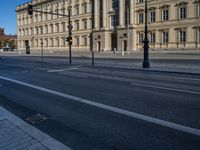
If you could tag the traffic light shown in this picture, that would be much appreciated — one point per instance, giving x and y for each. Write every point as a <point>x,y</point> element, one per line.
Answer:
<point>69,40</point>
<point>30,9</point>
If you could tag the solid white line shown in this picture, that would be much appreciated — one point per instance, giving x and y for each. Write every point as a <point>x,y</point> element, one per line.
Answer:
<point>166,88</point>
<point>160,122</point>
<point>162,76</point>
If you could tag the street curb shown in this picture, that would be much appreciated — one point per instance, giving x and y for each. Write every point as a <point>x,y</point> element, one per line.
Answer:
<point>148,69</point>
<point>128,68</point>
<point>37,134</point>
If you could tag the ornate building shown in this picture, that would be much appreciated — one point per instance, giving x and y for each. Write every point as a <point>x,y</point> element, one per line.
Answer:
<point>50,31</point>
<point>119,24</point>
<point>173,24</point>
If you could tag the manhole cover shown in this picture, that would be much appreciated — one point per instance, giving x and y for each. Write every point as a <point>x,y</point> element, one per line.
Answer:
<point>36,118</point>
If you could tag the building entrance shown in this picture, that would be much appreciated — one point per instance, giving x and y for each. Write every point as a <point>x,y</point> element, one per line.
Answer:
<point>114,41</point>
<point>99,46</point>
<point>125,45</point>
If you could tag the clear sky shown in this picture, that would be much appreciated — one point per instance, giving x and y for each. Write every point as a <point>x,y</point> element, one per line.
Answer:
<point>8,15</point>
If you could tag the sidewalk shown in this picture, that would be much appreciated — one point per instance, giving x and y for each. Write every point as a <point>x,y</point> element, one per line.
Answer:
<point>15,134</point>
<point>179,61</point>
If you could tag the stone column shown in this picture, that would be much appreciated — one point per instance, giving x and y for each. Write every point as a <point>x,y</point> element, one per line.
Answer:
<point>96,18</point>
<point>132,12</point>
<point>121,13</point>
<point>105,13</point>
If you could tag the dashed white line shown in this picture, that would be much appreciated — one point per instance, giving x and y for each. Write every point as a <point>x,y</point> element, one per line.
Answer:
<point>73,74</point>
<point>166,88</point>
<point>65,69</point>
<point>186,129</point>
<point>60,70</point>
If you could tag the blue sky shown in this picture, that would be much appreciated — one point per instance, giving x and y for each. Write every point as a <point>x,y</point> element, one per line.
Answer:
<point>8,15</point>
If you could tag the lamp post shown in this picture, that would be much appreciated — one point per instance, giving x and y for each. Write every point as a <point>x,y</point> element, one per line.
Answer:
<point>146,63</point>
<point>70,35</point>
<point>42,54</point>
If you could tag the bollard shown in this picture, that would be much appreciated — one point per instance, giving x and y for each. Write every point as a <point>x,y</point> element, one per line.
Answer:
<point>92,58</point>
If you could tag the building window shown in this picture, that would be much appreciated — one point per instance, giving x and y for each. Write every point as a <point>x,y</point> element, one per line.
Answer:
<point>198,34</point>
<point>77,25</point>
<point>63,11</point>
<point>77,41</point>
<point>165,14</point>
<point>115,4</point>
<point>182,36</point>
<point>101,13</point>
<point>152,16</point>
<point>57,42</point>
<point>41,16</point>
<point>114,20</point>
<point>57,28</point>
<point>90,7</point>
<point>85,40</point>
<point>84,24</point>
<point>182,12</point>
<point>63,27</point>
<point>198,9</point>
<point>84,8</point>
<point>41,30</point>
<point>51,27</point>
<point>165,37</point>
<point>140,38</point>
<point>140,1</point>
<point>76,10</point>
<point>36,18</point>
<point>127,12</point>
<point>46,29</point>
<point>152,38</point>
<point>140,17</point>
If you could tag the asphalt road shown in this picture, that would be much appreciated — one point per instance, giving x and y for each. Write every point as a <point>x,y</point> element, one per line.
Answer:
<point>104,108</point>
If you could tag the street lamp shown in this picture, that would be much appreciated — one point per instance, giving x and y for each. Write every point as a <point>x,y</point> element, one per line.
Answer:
<point>70,35</point>
<point>146,63</point>
<point>42,53</point>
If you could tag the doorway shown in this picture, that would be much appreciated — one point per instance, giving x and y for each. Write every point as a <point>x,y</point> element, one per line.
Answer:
<point>125,45</point>
<point>114,41</point>
<point>99,46</point>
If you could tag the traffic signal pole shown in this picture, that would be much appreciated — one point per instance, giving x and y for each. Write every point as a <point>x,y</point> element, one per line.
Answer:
<point>30,11</point>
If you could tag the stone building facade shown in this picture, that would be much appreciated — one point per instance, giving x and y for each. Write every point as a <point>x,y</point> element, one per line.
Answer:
<point>118,24</point>
<point>50,31</point>
<point>173,24</point>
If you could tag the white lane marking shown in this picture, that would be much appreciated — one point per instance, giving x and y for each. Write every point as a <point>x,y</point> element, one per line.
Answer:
<point>139,74</point>
<point>64,69</point>
<point>73,74</point>
<point>166,88</point>
<point>154,75</point>
<point>160,122</point>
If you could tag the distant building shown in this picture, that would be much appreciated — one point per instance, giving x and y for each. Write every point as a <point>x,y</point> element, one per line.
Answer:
<point>9,40</point>
<point>119,24</point>
<point>51,30</point>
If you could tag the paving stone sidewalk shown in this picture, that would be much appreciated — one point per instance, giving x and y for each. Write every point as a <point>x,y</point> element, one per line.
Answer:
<point>13,138</point>
<point>15,134</point>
